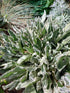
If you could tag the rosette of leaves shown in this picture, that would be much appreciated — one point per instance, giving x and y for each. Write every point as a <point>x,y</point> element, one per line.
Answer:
<point>36,58</point>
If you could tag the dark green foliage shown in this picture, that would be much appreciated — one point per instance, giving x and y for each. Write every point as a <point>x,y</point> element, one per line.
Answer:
<point>38,6</point>
<point>1,91</point>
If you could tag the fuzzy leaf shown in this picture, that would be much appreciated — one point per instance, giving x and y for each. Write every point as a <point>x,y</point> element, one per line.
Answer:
<point>11,86</point>
<point>30,89</point>
<point>22,59</point>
